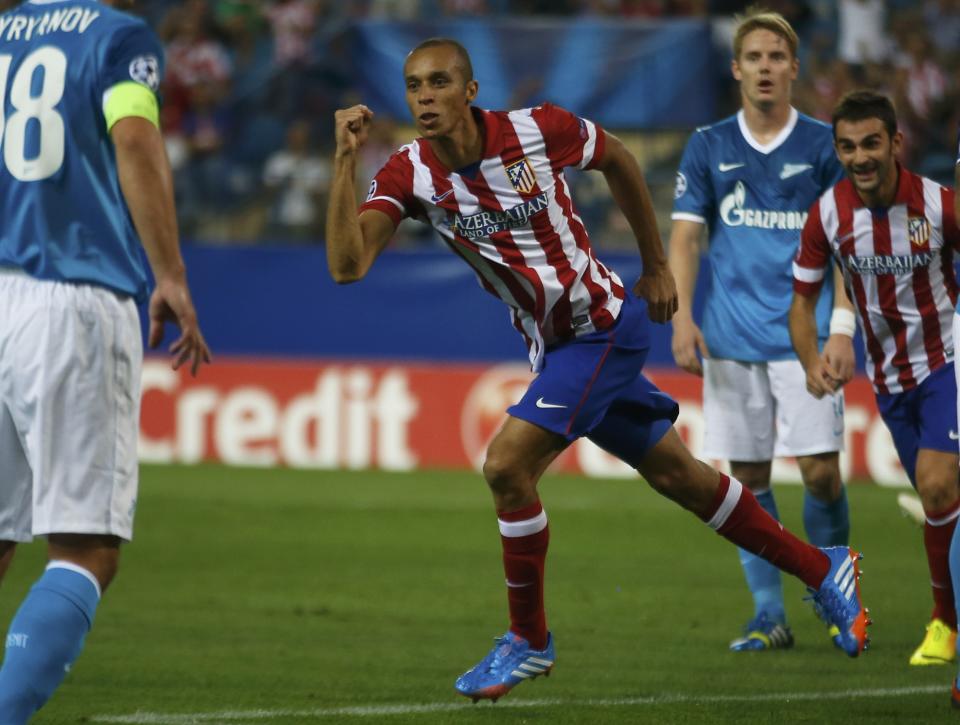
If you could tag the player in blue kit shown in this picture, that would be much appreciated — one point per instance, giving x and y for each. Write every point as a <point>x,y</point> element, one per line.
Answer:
<point>84,179</point>
<point>750,179</point>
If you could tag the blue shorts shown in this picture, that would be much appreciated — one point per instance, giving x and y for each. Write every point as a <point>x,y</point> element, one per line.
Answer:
<point>924,417</point>
<point>593,386</point>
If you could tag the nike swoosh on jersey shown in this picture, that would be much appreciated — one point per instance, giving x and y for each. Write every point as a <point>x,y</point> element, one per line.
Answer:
<point>437,198</point>
<point>954,436</point>
<point>794,169</point>
<point>541,404</point>
<point>730,167</point>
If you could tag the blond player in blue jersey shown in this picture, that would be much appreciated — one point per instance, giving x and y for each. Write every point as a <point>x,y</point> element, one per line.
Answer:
<point>84,180</point>
<point>749,179</point>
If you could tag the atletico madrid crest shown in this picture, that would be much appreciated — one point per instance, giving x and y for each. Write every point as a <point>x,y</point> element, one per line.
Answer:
<point>919,230</point>
<point>521,176</point>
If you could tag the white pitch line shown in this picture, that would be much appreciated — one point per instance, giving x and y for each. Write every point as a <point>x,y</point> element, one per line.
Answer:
<point>159,718</point>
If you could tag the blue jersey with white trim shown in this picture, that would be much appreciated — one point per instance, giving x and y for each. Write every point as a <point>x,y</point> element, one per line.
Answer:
<point>64,216</point>
<point>754,200</point>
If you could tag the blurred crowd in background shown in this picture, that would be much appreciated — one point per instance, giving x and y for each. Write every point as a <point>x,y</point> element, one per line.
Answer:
<point>251,87</point>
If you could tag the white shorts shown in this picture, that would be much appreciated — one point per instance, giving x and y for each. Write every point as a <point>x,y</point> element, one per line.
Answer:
<point>70,359</point>
<point>759,411</point>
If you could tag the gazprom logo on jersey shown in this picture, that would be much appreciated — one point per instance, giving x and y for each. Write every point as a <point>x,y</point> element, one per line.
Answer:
<point>487,223</point>
<point>889,263</point>
<point>733,213</point>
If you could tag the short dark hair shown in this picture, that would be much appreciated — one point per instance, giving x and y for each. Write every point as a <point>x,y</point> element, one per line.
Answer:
<point>463,57</point>
<point>861,105</point>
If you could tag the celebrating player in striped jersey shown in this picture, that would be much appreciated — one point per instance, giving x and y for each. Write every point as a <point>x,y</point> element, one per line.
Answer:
<point>894,233</point>
<point>750,179</point>
<point>492,185</point>
<point>84,180</point>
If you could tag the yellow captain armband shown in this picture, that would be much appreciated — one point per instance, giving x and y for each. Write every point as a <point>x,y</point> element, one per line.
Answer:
<point>130,99</point>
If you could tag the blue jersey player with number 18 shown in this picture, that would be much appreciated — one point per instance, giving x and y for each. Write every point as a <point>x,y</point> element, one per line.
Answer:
<point>84,180</point>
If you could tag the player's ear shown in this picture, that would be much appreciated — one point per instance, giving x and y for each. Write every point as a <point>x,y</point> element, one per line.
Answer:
<point>896,143</point>
<point>735,70</point>
<point>472,89</point>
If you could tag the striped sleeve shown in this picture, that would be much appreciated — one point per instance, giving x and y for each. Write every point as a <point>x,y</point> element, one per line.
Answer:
<point>570,140</point>
<point>391,190</point>
<point>813,256</point>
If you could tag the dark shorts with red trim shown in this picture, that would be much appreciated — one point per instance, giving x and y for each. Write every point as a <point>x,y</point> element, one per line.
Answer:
<point>923,417</point>
<point>594,386</point>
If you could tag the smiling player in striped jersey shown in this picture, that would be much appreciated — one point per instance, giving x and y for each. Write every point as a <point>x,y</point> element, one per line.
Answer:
<point>492,185</point>
<point>894,234</point>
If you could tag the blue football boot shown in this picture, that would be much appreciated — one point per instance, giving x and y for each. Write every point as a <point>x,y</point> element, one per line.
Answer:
<point>837,601</point>
<point>510,662</point>
<point>763,633</point>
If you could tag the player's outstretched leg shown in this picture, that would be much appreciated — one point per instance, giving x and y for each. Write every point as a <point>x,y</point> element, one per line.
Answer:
<point>515,461</point>
<point>832,574</point>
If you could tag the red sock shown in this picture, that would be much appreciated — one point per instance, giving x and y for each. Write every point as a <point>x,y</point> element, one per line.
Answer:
<point>937,533</point>
<point>737,516</point>
<point>525,535</point>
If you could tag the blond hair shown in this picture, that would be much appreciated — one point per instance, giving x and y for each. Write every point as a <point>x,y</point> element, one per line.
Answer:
<point>761,19</point>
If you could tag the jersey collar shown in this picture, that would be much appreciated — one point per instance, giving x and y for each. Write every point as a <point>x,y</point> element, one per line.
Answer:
<point>777,142</point>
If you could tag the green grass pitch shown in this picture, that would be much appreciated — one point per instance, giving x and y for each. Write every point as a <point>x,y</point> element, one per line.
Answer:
<point>293,597</point>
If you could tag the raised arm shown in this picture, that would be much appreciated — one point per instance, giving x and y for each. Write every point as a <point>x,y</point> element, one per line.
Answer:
<point>629,191</point>
<point>353,240</point>
<point>147,185</point>
<point>685,264</point>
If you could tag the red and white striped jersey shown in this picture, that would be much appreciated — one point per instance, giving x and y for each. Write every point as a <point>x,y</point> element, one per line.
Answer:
<point>897,262</point>
<point>512,219</point>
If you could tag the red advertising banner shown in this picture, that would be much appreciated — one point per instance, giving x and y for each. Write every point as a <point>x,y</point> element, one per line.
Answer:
<point>401,417</point>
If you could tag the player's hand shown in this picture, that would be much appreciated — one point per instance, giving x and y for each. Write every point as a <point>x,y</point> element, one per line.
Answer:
<point>822,378</point>
<point>170,302</point>
<point>687,341</point>
<point>657,287</point>
<point>838,352</point>
<point>351,126</point>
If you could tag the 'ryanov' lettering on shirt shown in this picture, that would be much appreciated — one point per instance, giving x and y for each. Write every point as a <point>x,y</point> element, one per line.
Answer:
<point>889,263</point>
<point>733,213</point>
<point>487,223</point>
<point>65,20</point>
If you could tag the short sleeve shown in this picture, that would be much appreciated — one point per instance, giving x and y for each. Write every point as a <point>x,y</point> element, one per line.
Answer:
<point>134,54</point>
<point>391,190</point>
<point>570,140</point>
<point>693,198</point>
<point>813,256</point>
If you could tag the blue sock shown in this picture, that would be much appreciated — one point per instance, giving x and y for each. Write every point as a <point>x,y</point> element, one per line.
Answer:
<point>827,524</point>
<point>955,571</point>
<point>763,578</point>
<point>45,637</point>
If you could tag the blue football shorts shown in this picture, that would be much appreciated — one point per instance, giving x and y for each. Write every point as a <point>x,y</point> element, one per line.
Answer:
<point>924,417</point>
<point>593,386</point>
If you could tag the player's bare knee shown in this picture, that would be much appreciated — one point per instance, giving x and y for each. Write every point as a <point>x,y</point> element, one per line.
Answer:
<point>937,492</point>
<point>755,475</point>
<point>100,555</point>
<point>821,475</point>
<point>503,474</point>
